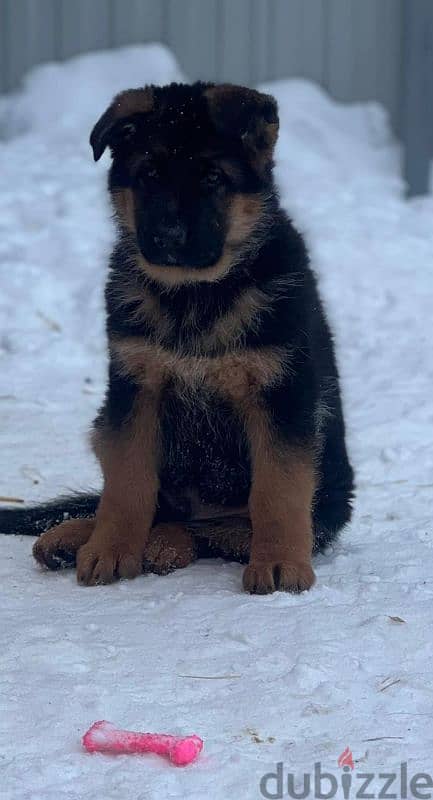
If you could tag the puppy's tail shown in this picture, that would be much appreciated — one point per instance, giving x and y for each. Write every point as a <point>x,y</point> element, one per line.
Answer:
<point>35,520</point>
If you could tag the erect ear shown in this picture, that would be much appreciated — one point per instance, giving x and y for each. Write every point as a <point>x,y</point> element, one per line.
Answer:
<point>246,114</point>
<point>125,104</point>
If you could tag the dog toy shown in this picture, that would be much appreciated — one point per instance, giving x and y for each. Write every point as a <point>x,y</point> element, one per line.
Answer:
<point>104,737</point>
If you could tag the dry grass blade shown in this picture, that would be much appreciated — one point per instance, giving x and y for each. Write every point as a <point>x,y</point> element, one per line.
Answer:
<point>388,685</point>
<point>210,677</point>
<point>380,738</point>
<point>5,499</point>
<point>51,323</point>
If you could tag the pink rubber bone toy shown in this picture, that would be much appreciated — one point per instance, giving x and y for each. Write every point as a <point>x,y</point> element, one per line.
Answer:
<point>104,737</point>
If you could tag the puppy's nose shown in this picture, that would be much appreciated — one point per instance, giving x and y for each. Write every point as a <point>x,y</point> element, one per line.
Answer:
<point>170,236</point>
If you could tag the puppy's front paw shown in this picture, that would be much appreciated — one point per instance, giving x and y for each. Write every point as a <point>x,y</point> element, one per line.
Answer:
<point>104,563</point>
<point>58,547</point>
<point>266,577</point>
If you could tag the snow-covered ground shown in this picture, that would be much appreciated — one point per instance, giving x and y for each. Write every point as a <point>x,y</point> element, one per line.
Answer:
<point>262,679</point>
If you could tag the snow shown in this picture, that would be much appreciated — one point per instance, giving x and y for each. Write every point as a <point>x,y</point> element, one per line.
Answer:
<point>261,679</point>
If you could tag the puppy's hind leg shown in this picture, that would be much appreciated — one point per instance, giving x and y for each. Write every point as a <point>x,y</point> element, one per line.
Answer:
<point>169,547</point>
<point>334,498</point>
<point>58,547</point>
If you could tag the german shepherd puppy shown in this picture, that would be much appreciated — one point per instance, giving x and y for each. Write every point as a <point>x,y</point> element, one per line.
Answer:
<point>222,428</point>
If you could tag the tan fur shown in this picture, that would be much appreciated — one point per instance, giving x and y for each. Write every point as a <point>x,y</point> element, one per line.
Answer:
<point>62,542</point>
<point>169,547</point>
<point>140,305</point>
<point>123,201</point>
<point>281,502</point>
<point>230,537</point>
<point>229,330</point>
<point>132,101</point>
<point>129,461</point>
<point>245,213</point>
<point>260,139</point>
<point>235,375</point>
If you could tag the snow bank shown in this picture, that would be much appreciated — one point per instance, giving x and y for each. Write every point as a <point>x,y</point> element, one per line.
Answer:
<point>299,678</point>
<point>67,96</point>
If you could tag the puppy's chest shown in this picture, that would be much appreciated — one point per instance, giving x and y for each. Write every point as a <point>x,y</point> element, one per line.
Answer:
<point>203,402</point>
<point>204,450</point>
<point>237,376</point>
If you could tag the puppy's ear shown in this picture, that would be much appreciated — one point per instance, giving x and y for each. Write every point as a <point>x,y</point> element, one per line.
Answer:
<point>248,115</point>
<point>124,105</point>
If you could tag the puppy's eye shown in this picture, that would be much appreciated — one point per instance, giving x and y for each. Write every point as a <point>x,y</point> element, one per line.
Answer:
<point>213,177</point>
<point>148,173</point>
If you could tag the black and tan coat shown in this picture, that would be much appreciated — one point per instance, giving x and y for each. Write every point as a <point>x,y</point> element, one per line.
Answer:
<point>222,429</point>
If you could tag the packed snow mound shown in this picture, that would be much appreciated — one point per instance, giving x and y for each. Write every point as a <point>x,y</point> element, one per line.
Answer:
<point>338,146</point>
<point>69,95</point>
<point>262,680</point>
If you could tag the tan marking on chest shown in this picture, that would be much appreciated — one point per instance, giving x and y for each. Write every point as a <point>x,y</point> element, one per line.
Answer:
<point>231,328</point>
<point>236,375</point>
<point>141,306</point>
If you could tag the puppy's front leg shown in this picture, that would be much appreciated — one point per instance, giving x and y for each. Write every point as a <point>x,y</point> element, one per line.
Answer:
<point>280,503</point>
<point>128,457</point>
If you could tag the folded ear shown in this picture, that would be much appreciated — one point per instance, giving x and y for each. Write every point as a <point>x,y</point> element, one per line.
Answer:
<point>248,115</point>
<point>125,104</point>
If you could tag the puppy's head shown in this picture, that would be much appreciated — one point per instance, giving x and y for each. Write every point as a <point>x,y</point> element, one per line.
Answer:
<point>191,171</point>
